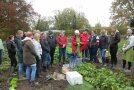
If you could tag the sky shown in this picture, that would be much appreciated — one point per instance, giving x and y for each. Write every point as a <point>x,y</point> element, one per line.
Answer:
<point>95,10</point>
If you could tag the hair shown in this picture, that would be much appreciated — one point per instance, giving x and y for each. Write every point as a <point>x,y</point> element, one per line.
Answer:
<point>29,34</point>
<point>19,32</point>
<point>10,37</point>
<point>37,36</point>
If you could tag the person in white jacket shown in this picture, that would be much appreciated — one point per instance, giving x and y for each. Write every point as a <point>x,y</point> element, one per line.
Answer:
<point>128,51</point>
<point>38,49</point>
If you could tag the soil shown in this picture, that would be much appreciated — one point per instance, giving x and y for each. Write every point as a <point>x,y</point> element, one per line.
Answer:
<point>50,84</point>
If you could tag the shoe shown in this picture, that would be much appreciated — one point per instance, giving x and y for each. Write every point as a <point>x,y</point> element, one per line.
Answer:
<point>14,74</point>
<point>33,83</point>
<point>127,71</point>
<point>22,78</point>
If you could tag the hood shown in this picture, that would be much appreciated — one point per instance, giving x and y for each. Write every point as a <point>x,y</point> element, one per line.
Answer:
<point>26,39</point>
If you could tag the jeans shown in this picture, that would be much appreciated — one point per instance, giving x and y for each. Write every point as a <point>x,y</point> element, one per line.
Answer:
<point>33,73</point>
<point>1,55</point>
<point>21,67</point>
<point>46,59</point>
<point>93,54</point>
<point>103,55</point>
<point>62,52</point>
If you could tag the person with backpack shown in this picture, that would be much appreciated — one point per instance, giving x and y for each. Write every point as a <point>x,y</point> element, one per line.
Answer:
<point>93,46</point>
<point>103,45</point>
<point>114,40</point>
<point>11,48</point>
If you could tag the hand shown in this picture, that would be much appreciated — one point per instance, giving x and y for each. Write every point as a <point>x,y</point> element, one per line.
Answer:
<point>81,42</point>
<point>64,45</point>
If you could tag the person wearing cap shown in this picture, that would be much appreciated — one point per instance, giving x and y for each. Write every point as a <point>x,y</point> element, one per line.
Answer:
<point>62,42</point>
<point>52,43</point>
<point>76,42</point>
<point>84,43</point>
<point>128,51</point>
<point>29,58</point>
<point>114,40</point>
<point>93,46</point>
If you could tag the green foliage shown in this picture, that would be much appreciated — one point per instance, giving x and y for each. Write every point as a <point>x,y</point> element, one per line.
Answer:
<point>69,19</point>
<point>103,79</point>
<point>13,83</point>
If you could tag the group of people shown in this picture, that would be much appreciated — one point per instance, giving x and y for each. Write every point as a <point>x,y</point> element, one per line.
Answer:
<point>35,50</point>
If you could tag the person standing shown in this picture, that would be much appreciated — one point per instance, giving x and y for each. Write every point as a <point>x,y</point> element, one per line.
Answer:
<point>93,46</point>
<point>1,51</point>
<point>52,43</point>
<point>18,42</point>
<point>62,43</point>
<point>38,49</point>
<point>128,51</point>
<point>114,40</point>
<point>76,43</point>
<point>29,58</point>
<point>84,43</point>
<point>46,58</point>
<point>12,53</point>
<point>103,45</point>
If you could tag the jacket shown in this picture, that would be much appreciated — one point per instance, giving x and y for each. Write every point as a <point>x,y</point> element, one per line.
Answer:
<point>103,43</point>
<point>1,45</point>
<point>52,42</point>
<point>62,40</point>
<point>45,46</point>
<point>29,53</point>
<point>18,43</point>
<point>74,43</point>
<point>93,42</point>
<point>11,47</point>
<point>84,40</point>
<point>114,39</point>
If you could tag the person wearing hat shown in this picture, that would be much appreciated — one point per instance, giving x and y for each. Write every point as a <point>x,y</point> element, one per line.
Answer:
<point>84,43</point>
<point>76,42</point>
<point>62,42</point>
<point>128,51</point>
<point>52,44</point>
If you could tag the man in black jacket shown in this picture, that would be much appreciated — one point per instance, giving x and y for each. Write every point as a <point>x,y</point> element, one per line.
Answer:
<point>114,40</point>
<point>52,43</point>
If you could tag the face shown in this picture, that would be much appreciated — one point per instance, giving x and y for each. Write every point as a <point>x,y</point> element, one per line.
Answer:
<point>77,34</point>
<point>21,35</point>
<point>92,33</point>
<point>12,38</point>
<point>62,34</point>
<point>85,32</point>
<point>113,29</point>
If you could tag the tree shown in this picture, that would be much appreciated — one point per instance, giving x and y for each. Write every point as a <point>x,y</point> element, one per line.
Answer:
<point>98,27</point>
<point>122,11</point>
<point>70,19</point>
<point>41,24</point>
<point>14,15</point>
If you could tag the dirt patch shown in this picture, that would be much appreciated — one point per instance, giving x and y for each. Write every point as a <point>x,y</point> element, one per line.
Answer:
<point>44,84</point>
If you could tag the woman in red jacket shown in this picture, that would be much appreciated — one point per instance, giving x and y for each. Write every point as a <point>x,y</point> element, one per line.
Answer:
<point>84,43</point>
<point>76,42</point>
<point>62,43</point>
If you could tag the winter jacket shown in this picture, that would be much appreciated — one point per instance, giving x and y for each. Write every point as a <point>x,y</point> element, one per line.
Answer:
<point>114,39</point>
<point>11,47</point>
<point>62,40</point>
<point>29,52</point>
<point>93,42</point>
<point>74,43</point>
<point>1,45</point>
<point>18,43</point>
<point>38,48</point>
<point>45,46</point>
<point>52,42</point>
<point>103,42</point>
<point>84,40</point>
